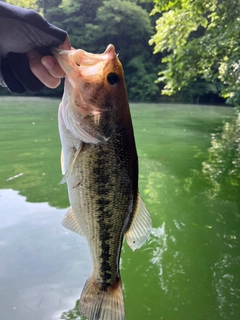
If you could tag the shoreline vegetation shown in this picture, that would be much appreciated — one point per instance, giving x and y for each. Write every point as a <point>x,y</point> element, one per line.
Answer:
<point>129,26</point>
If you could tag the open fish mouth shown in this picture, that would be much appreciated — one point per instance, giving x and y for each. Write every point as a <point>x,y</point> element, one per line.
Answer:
<point>86,63</point>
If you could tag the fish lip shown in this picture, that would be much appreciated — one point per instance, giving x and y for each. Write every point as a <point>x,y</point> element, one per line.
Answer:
<point>56,52</point>
<point>79,65</point>
<point>110,51</point>
<point>62,57</point>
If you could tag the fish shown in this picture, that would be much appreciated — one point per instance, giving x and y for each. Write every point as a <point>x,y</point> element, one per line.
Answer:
<point>100,166</point>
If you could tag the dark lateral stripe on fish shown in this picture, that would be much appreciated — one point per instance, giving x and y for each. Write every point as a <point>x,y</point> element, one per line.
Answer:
<point>104,220</point>
<point>110,240</point>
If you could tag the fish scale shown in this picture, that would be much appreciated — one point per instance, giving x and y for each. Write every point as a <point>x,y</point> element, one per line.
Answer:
<point>102,175</point>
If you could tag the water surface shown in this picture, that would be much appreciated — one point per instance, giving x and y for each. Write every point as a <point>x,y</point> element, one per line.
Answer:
<point>190,181</point>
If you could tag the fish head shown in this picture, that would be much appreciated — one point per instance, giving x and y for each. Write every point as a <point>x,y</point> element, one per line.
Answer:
<point>94,84</point>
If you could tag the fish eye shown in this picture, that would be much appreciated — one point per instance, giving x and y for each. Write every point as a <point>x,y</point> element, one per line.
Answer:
<point>112,78</point>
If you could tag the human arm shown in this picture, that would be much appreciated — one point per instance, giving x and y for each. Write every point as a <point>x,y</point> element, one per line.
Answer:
<point>25,42</point>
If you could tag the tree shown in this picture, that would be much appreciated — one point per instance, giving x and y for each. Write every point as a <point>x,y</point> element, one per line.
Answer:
<point>78,18</point>
<point>127,25</point>
<point>199,39</point>
<point>93,24</point>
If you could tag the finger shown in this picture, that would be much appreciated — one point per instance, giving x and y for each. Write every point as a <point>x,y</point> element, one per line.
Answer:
<point>40,71</point>
<point>52,66</point>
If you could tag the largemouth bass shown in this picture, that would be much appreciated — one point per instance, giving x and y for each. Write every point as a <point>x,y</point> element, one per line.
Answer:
<point>100,165</point>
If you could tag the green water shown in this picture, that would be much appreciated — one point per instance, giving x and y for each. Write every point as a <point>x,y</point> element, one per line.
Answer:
<point>190,180</point>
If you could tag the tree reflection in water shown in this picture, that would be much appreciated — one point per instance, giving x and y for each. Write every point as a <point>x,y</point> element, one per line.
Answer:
<point>72,314</point>
<point>222,168</point>
<point>222,171</point>
<point>195,246</point>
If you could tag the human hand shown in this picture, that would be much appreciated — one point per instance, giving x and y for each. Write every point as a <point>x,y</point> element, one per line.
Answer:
<point>46,68</point>
<point>25,57</point>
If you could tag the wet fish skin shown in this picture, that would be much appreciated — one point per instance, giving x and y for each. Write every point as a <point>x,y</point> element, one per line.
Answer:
<point>100,166</point>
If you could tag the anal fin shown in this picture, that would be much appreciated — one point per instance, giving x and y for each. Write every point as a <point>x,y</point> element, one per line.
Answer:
<point>70,222</point>
<point>140,227</point>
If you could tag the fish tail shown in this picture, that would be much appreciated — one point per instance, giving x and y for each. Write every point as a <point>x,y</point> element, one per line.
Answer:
<point>98,304</point>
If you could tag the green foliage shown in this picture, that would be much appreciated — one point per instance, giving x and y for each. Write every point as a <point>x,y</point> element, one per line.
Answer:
<point>92,25</point>
<point>128,27</point>
<point>140,83</point>
<point>200,91</point>
<point>124,23</point>
<point>199,39</point>
<point>30,4</point>
<point>76,17</point>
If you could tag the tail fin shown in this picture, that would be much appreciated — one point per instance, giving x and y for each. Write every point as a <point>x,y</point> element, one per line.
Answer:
<point>97,304</point>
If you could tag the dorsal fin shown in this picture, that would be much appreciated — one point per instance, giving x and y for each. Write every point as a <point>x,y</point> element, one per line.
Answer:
<point>140,227</point>
<point>70,222</point>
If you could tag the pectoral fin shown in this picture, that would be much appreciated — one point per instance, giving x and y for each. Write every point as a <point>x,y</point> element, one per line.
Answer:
<point>70,169</point>
<point>140,227</point>
<point>70,222</point>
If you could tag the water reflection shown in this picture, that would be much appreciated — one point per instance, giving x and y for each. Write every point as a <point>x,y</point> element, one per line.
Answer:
<point>222,168</point>
<point>43,266</point>
<point>30,150</point>
<point>196,249</point>
<point>189,268</point>
<point>72,314</point>
<point>227,285</point>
